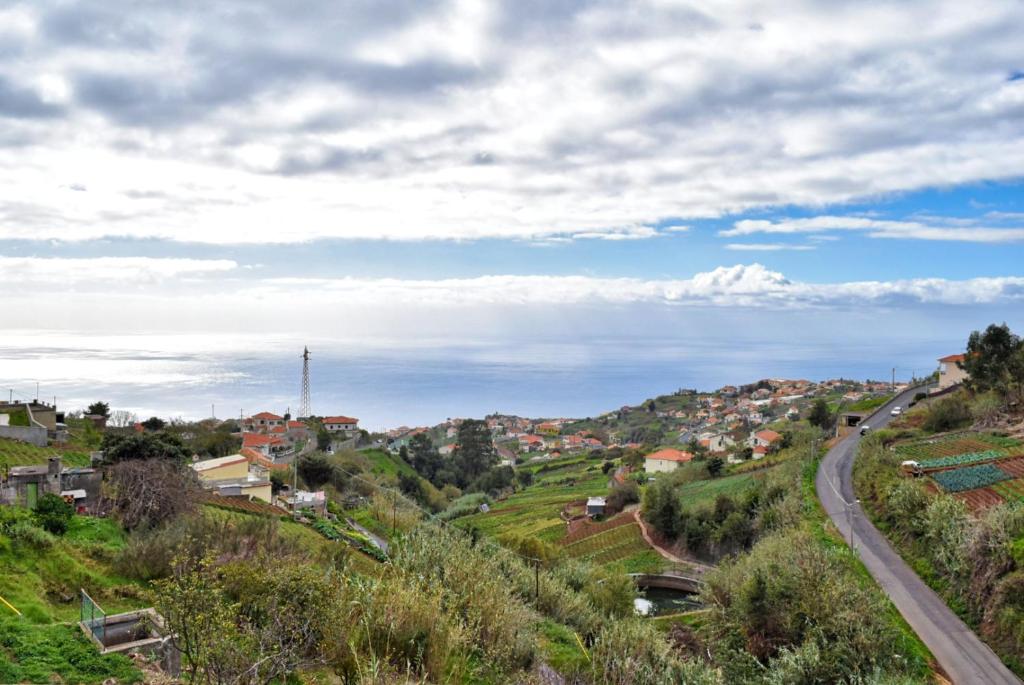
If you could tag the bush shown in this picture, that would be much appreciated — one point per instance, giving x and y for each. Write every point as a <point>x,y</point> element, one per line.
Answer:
<point>947,414</point>
<point>53,513</point>
<point>32,536</point>
<point>767,607</point>
<point>621,495</point>
<point>633,652</point>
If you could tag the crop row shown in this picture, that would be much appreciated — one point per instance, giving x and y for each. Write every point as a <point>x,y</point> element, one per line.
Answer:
<point>604,540</point>
<point>952,445</point>
<point>1011,490</point>
<point>963,459</point>
<point>970,477</point>
<point>590,529</point>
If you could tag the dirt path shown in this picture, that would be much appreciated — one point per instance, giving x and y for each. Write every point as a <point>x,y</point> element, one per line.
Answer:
<point>696,565</point>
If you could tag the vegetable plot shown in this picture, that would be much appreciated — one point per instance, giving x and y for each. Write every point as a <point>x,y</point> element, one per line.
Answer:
<point>963,459</point>
<point>970,477</point>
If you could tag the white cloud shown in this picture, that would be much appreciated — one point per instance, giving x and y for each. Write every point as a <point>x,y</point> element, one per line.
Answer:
<point>57,272</point>
<point>217,123</point>
<point>766,247</point>
<point>963,230</point>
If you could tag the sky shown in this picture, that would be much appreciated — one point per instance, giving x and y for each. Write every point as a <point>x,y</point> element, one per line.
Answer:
<point>539,182</point>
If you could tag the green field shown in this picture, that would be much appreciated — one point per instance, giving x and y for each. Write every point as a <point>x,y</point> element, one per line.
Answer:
<point>535,510</point>
<point>15,453</point>
<point>379,462</point>
<point>622,547</point>
<point>705,491</point>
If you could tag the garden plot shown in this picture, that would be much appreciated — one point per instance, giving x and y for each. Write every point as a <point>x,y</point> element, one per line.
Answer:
<point>970,477</point>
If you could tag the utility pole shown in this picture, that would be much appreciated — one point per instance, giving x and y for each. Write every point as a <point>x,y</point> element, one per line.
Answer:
<point>536,581</point>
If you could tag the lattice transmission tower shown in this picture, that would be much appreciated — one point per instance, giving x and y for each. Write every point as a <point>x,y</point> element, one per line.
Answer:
<point>305,411</point>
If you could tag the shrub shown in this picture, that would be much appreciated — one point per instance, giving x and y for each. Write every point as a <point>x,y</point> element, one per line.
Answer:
<point>32,536</point>
<point>53,513</point>
<point>786,594</point>
<point>905,504</point>
<point>633,652</point>
<point>621,495</point>
<point>947,414</point>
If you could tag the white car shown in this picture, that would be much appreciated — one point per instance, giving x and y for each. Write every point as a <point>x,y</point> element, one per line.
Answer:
<point>896,411</point>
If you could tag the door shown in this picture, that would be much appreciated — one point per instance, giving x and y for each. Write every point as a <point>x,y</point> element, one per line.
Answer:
<point>31,494</point>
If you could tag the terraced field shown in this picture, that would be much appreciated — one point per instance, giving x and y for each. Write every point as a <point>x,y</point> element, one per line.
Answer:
<point>15,453</point>
<point>954,445</point>
<point>705,491</point>
<point>536,510</point>
<point>622,547</point>
<point>1010,490</point>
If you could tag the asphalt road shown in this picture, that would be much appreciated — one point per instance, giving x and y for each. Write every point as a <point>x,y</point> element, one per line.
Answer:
<point>961,654</point>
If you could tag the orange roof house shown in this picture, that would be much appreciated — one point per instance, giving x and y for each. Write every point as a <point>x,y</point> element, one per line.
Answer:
<point>667,459</point>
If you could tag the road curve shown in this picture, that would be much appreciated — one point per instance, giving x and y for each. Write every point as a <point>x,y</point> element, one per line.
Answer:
<point>961,654</point>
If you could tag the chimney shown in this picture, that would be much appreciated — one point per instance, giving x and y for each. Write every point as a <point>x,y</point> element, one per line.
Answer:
<point>53,467</point>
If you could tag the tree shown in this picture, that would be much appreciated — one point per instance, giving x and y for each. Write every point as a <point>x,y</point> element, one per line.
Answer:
<point>715,466</point>
<point>248,621</point>
<point>150,492</point>
<point>323,440</point>
<point>315,470</point>
<point>122,418</point>
<point>99,409</point>
<point>661,508</point>
<point>820,416</point>
<point>995,361</point>
<point>474,451</point>
<point>145,446</point>
<point>425,458</point>
<point>53,513</point>
<point>154,423</point>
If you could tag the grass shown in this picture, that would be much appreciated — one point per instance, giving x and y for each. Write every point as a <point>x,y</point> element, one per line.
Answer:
<point>42,654</point>
<point>16,453</point>
<point>622,547</point>
<point>535,510</point>
<point>705,491</point>
<point>379,462</point>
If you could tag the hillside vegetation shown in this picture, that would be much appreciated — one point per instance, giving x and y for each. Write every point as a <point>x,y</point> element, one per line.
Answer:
<point>960,522</point>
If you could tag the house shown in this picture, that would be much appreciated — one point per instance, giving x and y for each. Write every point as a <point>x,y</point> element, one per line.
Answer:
<point>531,443</point>
<point>595,506</point>
<point>950,372</point>
<point>340,424</point>
<point>506,457</point>
<point>549,428</point>
<point>234,475</point>
<point>719,443</point>
<point>24,485</point>
<point>665,460</point>
<point>446,450</point>
<point>765,438</point>
<point>264,421</point>
<point>316,501</point>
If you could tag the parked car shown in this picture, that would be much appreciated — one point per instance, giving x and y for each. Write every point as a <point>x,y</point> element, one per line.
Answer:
<point>864,430</point>
<point>896,411</point>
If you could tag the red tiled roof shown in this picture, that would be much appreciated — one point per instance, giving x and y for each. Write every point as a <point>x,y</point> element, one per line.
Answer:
<point>340,419</point>
<point>278,429</point>
<point>953,358</point>
<point>255,439</point>
<point>296,424</point>
<point>254,457</point>
<point>669,454</point>
<point>761,449</point>
<point>769,435</point>
<point>268,416</point>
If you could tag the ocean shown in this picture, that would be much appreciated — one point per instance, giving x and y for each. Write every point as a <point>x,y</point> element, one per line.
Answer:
<point>391,383</point>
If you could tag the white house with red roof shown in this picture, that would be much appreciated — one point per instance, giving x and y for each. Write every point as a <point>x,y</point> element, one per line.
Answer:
<point>531,443</point>
<point>263,421</point>
<point>666,460</point>
<point>340,424</point>
<point>950,372</point>
<point>765,438</point>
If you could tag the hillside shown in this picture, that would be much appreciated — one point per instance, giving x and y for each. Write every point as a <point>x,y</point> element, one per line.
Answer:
<point>17,453</point>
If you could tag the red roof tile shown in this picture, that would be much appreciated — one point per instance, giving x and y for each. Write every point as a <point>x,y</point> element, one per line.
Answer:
<point>340,419</point>
<point>268,416</point>
<point>953,358</point>
<point>670,454</point>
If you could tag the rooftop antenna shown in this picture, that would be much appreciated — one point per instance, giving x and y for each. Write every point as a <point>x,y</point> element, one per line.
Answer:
<point>305,411</point>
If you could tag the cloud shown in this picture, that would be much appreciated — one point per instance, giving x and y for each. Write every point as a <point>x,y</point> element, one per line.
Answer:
<point>964,230</point>
<point>767,247</point>
<point>461,120</point>
<point>751,285</point>
<point>103,272</point>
